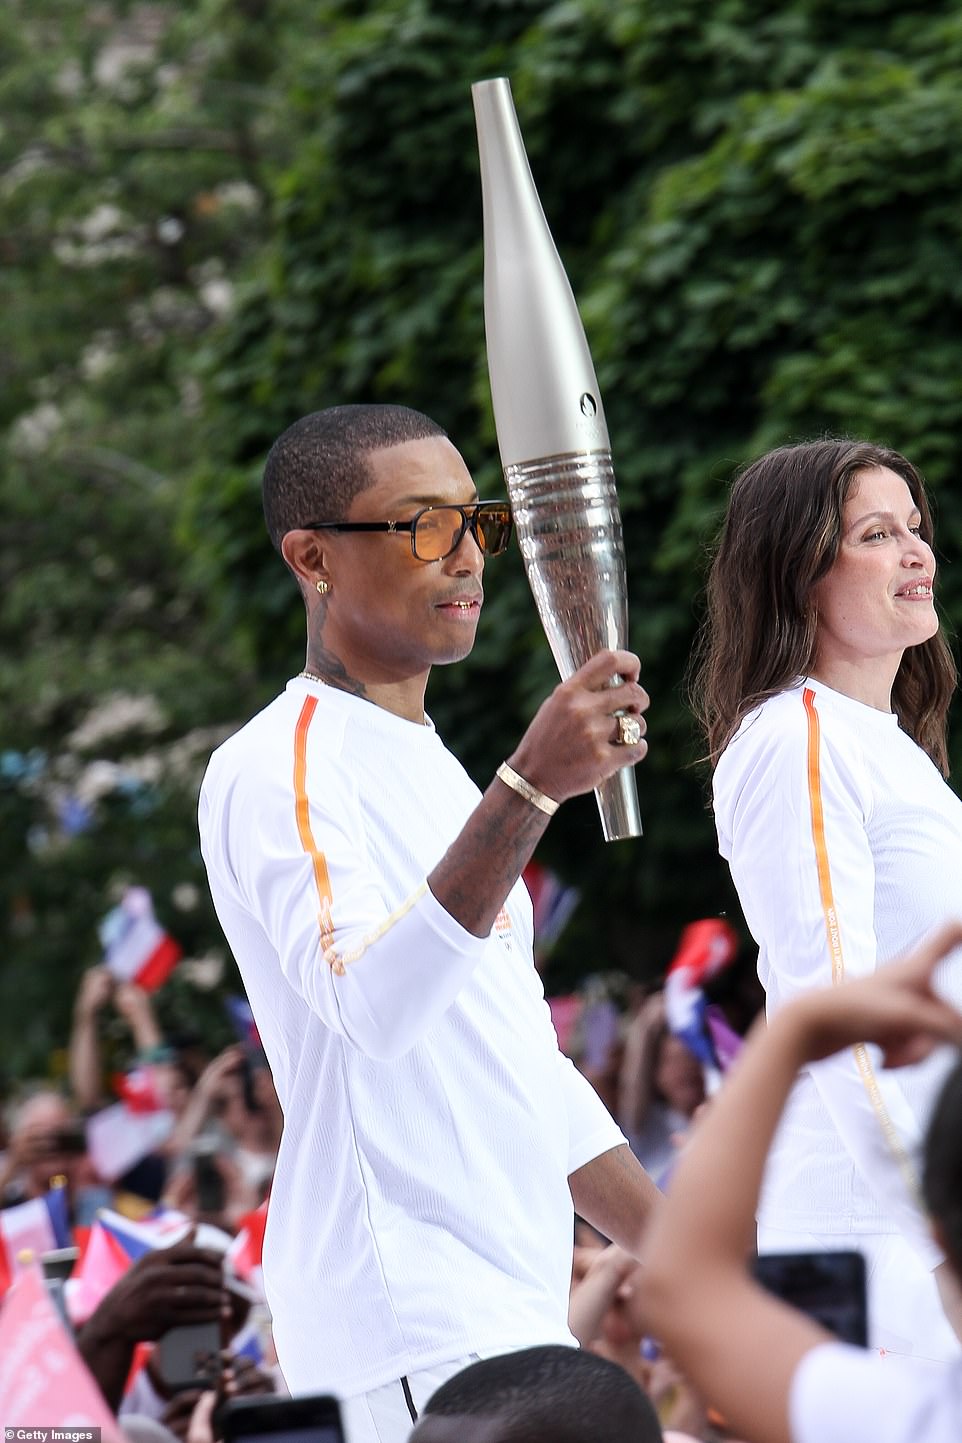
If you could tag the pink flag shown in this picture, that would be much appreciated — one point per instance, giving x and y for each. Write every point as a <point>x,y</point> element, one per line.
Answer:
<point>43,1379</point>
<point>115,1243</point>
<point>104,1263</point>
<point>136,947</point>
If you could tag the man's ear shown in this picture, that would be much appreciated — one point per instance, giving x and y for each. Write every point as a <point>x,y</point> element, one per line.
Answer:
<point>304,554</point>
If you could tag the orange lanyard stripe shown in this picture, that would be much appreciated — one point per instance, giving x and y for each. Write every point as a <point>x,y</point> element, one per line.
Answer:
<point>302,812</point>
<point>818,838</point>
<point>862,1060</point>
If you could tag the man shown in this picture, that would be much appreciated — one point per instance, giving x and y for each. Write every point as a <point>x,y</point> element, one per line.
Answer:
<point>540,1395</point>
<point>434,1136</point>
<point>46,1144</point>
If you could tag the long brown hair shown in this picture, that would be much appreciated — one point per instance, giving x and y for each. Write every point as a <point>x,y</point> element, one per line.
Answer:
<point>780,536</point>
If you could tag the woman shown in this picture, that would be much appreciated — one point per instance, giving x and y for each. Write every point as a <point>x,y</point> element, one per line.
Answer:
<point>823,686</point>
<point>660,1087</point>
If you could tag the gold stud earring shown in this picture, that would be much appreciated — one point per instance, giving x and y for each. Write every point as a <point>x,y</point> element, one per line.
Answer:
<point>322,586</point>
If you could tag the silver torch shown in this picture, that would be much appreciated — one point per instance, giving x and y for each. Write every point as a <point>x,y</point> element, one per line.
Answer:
<point>550,425</point>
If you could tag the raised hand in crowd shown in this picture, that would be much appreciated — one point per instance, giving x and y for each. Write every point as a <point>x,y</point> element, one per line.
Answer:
<point>93,994</point>
<point>604,1284</point>
<point>232,1195</point>
<point>97,988</point>
<point>699,1295</point>
<point>164,1289</point>
<point>193,1414</point>
<point>135,1007</point>
<point>95,991</point>
<point>605,1314</point>
<point>636,1083</point>
<point>205,1096</point>
<point>235,1097</point>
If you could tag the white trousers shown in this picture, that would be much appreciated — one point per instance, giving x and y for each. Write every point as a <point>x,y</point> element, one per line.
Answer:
<point>904,1310</point>
<point>387,1414</point>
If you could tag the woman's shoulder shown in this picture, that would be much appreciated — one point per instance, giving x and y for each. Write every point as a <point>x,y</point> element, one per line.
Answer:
<point>779,720</point>
<point>767,756</point>
<point>809,708</point>
<point>773,747</point>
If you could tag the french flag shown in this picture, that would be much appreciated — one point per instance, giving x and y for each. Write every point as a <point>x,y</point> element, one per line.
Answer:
<point>552,904</point>
<point>136,947</point>
<point>139,1089</point>
<point>706,948</point>
<point>30,1229</point>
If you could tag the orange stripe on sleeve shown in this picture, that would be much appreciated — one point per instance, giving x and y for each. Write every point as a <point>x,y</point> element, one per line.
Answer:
<point>322,880</point>
<point>818,838</point>
<point>337,961</point>
<point>862,1060</point>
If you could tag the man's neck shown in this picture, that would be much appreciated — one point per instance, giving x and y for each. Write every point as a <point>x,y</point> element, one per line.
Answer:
<point>404,698</point>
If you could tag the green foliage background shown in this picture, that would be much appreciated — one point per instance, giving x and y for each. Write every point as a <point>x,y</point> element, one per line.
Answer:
<point>219,216</point>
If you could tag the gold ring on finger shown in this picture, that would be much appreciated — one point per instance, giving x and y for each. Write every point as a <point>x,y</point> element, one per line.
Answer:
<point>629,731</point>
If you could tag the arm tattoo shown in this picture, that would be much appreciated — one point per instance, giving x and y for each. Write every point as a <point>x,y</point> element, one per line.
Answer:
<point>478,871</point>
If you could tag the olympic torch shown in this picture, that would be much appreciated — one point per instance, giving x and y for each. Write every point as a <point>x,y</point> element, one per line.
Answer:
<point>550,424</point>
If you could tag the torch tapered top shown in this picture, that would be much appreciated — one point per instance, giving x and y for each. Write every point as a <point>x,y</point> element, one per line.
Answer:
<point>543,385</point>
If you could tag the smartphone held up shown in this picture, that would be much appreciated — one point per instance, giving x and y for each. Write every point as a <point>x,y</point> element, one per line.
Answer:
<point>281,1420</point>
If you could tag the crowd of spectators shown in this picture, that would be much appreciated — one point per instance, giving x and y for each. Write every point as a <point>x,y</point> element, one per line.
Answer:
<point>213,1167</point>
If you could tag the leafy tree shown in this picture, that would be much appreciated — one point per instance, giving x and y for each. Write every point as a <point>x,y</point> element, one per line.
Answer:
<point>131,192</point>
<point>219,217</point>
<point>757,207</point>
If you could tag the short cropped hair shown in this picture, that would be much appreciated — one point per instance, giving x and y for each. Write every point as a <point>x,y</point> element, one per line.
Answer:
<point>550,1394</point>
<point>320,463</point>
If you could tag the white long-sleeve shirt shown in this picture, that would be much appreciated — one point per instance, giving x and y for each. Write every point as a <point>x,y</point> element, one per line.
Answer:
<point>845,846</point>
<point>842,1394</point>
<point>420,1208</point>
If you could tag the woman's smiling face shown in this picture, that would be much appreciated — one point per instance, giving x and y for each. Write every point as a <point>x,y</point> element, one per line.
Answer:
<point>877,600</point>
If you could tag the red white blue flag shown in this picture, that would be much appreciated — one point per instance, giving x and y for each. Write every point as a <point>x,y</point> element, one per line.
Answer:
<point>30,1229</point>
<point>706,948</point>
<point>139,1089</point>
<point>243,1257</point>
<point>552,904</point>
<point>136,947</point>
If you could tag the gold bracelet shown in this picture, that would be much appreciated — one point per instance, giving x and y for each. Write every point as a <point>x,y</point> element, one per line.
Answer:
<point>524,789</point>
